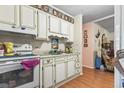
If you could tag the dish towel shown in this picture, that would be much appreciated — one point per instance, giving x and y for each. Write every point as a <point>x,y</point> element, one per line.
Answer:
<point>29,64</point>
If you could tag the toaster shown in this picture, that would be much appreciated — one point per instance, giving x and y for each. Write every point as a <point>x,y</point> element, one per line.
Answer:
<point>23,49</point>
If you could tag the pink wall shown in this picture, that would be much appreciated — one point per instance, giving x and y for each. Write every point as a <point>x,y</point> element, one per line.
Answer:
<point>88,58</point>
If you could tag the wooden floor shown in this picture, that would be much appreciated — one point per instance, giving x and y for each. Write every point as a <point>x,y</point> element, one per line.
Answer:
<point>92,78</point>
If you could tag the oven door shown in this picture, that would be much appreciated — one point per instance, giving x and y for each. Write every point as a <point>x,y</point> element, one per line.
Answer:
<point>13,75</point>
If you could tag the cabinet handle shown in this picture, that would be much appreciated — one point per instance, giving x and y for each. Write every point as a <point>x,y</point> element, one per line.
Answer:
<point>23,28</point>
<point>13,26</point>
<point>48,61</point>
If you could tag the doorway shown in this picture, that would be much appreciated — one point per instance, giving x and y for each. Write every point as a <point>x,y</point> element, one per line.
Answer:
<point>99,52</point>
<point>104,42</point>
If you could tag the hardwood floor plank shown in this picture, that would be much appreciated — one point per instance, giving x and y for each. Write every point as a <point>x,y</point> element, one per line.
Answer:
<point>92,78</point>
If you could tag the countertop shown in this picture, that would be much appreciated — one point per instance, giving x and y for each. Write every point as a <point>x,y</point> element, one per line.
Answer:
<point>64,54</point>
<point>5,58</point>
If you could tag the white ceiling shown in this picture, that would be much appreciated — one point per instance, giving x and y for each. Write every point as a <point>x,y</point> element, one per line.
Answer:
<point>90,12</point>
<point>107,24</point>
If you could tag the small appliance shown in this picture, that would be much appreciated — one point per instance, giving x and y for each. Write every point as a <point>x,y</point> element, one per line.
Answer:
<point>68,47</point>
<point>55,46</point>
<point>24,49</point>
<point>8,49</point>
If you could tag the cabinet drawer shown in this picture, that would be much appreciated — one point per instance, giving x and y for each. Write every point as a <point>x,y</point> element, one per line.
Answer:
<point>60,59</point>
<point>73,57</point>
<point>47,61</point>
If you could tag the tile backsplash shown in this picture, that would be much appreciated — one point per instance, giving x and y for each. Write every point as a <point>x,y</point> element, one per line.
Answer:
<point>23,39</point>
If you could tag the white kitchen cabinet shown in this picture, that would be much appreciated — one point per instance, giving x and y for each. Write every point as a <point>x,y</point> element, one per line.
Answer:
<point>28,17</point>
<point>8,15</point>
<point>64,27</point>
<point>48,76</point>
<point>18,19</point>
<point>56,70</point>
<point>71,32</point>
<point>71,68</point>
<point>60,72</point>
<point>42,25</point>
<point>54,25</point>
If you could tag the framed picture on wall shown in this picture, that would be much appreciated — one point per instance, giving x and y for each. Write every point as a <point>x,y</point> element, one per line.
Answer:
<point>63,16</point>
<point>45,8</point>
<point>54,12</point>
<point>51,10</point>
<point>85,45</point>
<point>85,40</point>
<point>59,14</point>
<point>85,36</point>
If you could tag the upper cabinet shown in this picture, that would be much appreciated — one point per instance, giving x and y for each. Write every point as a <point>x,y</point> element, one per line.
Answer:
<point>8,14</point>
<point>71,32</point>
<point>54,25</point>
<point>29,20</point>
<point>19,19</point>
<point>28,17</point>
<point>64,27</point>
<point>42,25</point>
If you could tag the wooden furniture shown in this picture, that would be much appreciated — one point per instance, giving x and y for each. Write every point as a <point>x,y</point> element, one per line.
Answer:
<point>108,62</point>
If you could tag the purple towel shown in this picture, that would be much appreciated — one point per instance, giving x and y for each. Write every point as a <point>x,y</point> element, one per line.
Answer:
<point>29,64</point>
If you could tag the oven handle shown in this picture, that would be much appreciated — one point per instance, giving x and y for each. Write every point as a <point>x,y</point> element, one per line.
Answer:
<point>10,62</point>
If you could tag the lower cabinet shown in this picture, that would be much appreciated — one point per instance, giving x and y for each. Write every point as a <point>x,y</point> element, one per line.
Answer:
<point>60,72</point>
<point>71,68</point>
<point>47,72</point>
<point>57,70</point>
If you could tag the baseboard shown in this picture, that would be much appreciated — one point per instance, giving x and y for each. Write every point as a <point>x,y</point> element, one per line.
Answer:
<point>88,67</point>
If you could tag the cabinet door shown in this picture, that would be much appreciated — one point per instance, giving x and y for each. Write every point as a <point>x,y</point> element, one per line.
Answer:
<point>42,25</point>
<point>54,25</point>
<point>71,32</point>
<point>71,68</point>
<point>48,76</point>
<point>27,17</point>
<point>7,14</point>
<point>64,27</point>
<point>60,72</point>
